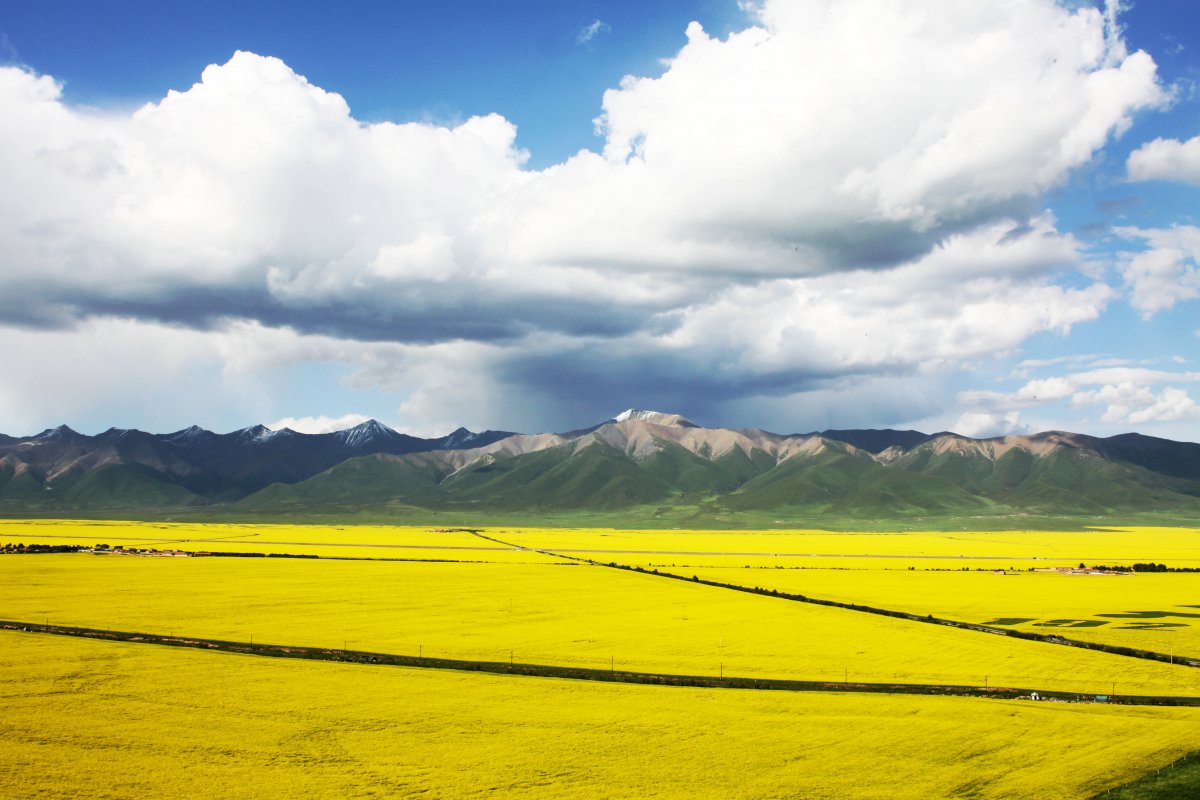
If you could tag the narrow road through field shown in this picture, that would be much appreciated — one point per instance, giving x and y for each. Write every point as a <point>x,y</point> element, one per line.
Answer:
<point>928,619</point>
<point>579,673</point>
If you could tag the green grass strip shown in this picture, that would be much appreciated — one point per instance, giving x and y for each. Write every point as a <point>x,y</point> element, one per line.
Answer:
<point>1177,781</point>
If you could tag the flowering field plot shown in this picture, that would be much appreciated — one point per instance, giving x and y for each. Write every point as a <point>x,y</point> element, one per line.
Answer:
<point>1159,612</point>
<point>107,720</point>
<point>325,541</point>
<point>1021,550</point>
<point>950,575</point>
<point>554,613</point>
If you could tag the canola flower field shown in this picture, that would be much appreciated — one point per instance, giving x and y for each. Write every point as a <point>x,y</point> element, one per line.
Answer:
<point>110,720</point>
<point>1014,550</point>
<point>559,614</point>
<point>1159,612</point>
<point>368,542</point>
<point>949,575</point>
<point>530,596</point>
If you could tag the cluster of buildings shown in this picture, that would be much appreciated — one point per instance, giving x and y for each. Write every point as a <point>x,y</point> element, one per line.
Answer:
<point>119,550</point>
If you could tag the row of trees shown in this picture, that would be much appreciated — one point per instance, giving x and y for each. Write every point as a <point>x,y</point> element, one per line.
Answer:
<point>1149,567</point>
<point>40,548</point>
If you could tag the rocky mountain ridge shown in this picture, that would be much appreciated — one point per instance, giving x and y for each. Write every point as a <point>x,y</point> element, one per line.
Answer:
<point>635,459</point>
<point>211,465</point>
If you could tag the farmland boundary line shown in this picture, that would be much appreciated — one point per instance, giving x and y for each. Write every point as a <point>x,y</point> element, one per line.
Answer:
<point>929,619</point>
<point>1147,786</point>
<point>330,654</point>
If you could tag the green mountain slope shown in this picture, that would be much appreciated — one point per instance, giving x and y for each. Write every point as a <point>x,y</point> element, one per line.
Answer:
<point>595,477</point>
<point>643,466</point>
<point>109,486</point>
<point>1065,480</point>
<point>851,483</point>
<point>373,481</point>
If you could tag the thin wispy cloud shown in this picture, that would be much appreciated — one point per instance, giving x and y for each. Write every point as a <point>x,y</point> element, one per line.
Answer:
<point>8,52</point>
<point>592,30</point>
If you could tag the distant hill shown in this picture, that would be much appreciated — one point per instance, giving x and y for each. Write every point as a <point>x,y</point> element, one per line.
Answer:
<point>637,459</point>
<point>60,469</point>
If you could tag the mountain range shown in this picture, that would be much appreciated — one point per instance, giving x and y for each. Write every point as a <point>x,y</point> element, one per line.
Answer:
<point>636,460</point>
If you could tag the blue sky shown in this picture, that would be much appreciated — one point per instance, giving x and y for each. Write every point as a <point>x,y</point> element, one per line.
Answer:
<point>794,215</point>
<point>441,62</point>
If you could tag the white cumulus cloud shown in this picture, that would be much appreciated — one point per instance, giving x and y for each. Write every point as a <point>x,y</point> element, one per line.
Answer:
<point>1129,396</point>
<point>1164,274</point>
<point>843,190</point>
<point>1166,160</point>
<point>981,424</point>
<point>1128,402</point>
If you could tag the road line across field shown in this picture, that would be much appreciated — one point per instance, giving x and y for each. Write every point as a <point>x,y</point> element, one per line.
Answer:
<point>581,673</point>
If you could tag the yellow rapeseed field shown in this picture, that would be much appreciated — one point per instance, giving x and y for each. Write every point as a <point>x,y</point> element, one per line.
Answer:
<point>326,541</point>
<point>923,573</point>
<point>553,613</point>
<point>1176,547</point>
<point>1150,611</point>
<point>105,720</point>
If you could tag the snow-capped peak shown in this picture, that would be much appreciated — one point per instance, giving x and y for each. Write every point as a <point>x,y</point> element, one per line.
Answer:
<point>364,433</point>
<point>458,438</point>
<point>653,417</point>
<point>60,434</point>
<point>188,434</point>
<point>256,434</point>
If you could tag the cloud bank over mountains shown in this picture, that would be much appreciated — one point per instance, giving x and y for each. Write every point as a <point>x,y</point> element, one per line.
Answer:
<point>1128,394</point>
<point>842,193</point>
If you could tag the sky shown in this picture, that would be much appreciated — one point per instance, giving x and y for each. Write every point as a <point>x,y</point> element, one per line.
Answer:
<point>529,216</point>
